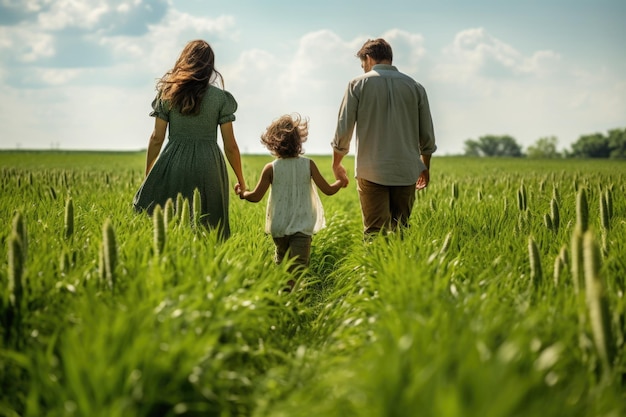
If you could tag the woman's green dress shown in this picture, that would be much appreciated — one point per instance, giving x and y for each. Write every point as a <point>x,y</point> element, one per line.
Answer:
<point>192,159</point>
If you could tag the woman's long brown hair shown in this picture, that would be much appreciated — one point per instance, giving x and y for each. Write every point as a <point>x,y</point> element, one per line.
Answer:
<point>185,84</point>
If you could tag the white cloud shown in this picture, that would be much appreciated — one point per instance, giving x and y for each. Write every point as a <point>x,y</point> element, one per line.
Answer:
<point>319,60</point>
<point>482,85</point>
<point>475,54</point>
<point>59,77</point>
<point>25,45</point>
<point>72,14</point>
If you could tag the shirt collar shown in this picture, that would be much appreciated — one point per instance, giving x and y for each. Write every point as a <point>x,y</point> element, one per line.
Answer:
<point>384,67</point>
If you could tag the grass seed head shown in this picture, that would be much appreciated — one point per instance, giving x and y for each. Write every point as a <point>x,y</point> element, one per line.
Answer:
<point>604,213</point>
<point>109,245</point>
<point>68,229</point>
<point>608,196</point>
<point>179,205</point>
<point>577,260</point>
<point>535,262</point>
<point>554,214</point>
<point>559,266</point>
<point>582,211</point>
<point>598,303</point>
<point>197,207</point>
<point>522,198</point>
<point>185,214</point>
<point>168,212</point>
<point>159,230</point>
<point>556,194</point>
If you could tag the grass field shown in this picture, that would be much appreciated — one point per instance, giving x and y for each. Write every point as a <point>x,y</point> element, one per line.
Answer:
<point>504,298</point>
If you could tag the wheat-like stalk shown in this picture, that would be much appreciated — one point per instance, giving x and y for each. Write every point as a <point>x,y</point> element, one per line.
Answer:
<point>179,205</point>
<point>604,213</point>
<point>68,229</point>
<point>185,215</point>
<point>577,259</point>
<point>168,212</point>
<point>556,194</point>
<point>608,196</point>
<point>559,266</point>
<point>197,208</point>
<point>158,221</point>
<point>554,214</point>
<point>535,262</point>
<point>598,303</point>
<point>582,211</point>
<point>521,198</point>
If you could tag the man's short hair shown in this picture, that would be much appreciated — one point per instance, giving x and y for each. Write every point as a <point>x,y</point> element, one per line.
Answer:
<point>378,49</point>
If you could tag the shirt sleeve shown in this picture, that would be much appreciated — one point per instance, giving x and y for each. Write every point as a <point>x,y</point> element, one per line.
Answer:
<point>427,130</point>
<point>227,112</point>
<point>346,121</point>
<point>159,109</point>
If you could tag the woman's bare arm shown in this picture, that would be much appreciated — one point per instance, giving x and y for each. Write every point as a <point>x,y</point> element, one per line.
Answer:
<point>156,142</point>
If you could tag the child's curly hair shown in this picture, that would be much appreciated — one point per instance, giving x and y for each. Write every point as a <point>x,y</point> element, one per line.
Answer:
<point>284,137</point>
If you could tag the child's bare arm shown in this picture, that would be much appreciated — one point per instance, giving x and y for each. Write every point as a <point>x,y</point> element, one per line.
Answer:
<point>259,191</point>
<point>322,184</point>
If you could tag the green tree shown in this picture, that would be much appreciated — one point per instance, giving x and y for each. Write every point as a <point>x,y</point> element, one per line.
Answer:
<point>492,145</point>
<point>591,146</point>
<point>544,148</point>
<point>472,148</point>
<point>617,143</point>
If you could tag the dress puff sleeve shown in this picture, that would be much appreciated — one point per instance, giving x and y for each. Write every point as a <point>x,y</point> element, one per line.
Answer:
<point>227,112</point>
<point>159,109</point>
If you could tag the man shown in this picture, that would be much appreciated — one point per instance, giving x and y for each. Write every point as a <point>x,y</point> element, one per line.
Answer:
<point>394,138</point>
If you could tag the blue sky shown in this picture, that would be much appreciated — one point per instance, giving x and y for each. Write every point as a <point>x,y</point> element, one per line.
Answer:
<point>80,74</point>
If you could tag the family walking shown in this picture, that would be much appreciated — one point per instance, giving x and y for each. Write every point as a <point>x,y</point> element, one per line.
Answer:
<point>394,142</point>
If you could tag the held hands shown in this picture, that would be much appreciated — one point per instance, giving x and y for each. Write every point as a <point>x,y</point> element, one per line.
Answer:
<point>240,191</point>
<point>341,175</point>
<point>423,180</point>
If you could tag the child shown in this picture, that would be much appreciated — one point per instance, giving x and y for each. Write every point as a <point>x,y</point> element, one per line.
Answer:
<point>294,210</point>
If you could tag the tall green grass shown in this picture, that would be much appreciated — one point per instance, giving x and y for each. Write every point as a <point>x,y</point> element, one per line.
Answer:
<point>476,310</point>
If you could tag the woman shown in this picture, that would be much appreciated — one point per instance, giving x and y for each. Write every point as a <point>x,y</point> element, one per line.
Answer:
<point>193,106</point>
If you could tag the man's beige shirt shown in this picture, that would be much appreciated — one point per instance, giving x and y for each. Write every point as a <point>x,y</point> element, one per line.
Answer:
<point>393,126</point>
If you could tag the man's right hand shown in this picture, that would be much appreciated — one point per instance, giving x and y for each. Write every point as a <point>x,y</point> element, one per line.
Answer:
<point>341,175</point>
<point>423,180</point>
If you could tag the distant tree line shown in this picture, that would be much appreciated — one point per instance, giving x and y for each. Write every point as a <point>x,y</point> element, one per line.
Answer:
<point>611,145</point>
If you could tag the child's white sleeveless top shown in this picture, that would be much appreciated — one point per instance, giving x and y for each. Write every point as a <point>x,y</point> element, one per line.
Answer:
<point>293,205</point>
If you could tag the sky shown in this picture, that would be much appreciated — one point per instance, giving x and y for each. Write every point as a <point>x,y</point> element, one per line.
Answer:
<point>81,74</point>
